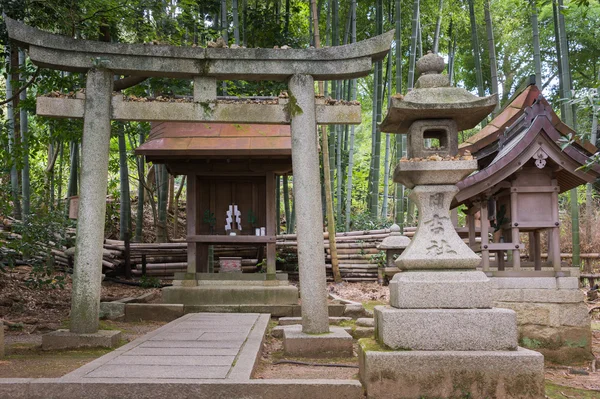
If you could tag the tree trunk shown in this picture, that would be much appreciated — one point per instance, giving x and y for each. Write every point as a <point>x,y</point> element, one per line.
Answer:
<point>236,23</point>
<point>162,185</point>
<point>24,140</point>
<point>386,162</point>
<point>475,45</point>
<point>125,208</point>
<point>337,277</point>
<point>351,138</point>
<point>451,52</point>
<point>278,202</point>
<point>139,221</point>
<point>492,53</point>
<point>286,202</point>
<point>224,34</point>
<point>438,25</point>
<point>73,173</point>
<point>376,134</point>
<point>536,45</point>
<point>176,209</point>
<point>14,177</point>
<point>568,118</point>
<point>413,45</point>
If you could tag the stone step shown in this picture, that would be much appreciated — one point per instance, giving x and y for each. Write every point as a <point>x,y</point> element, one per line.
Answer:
<point>447,329</point>
<point>448,374</point>
<point>288,321</point>
<point>365,322</point>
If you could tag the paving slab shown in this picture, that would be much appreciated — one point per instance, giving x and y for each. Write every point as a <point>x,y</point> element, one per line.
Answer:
<point>195,347</point>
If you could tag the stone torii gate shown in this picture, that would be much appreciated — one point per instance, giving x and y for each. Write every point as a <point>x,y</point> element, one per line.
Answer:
<point>101,61</point>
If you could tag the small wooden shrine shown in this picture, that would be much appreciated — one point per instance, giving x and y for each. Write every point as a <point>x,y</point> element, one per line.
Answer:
<point>227,166</point>
<point>522,169</point>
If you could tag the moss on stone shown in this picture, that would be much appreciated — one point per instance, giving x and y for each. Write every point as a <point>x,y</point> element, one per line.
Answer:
<point>292,108</point>
<point>371,344</point>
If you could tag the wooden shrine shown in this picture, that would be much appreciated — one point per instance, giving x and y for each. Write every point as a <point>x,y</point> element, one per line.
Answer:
<point>226,165</point>
<point>522,171</point>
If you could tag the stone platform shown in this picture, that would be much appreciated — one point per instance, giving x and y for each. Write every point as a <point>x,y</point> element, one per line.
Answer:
<point>64,339</point>
<point>231,292</point>
<point>336,343</point>
<point>450,374</point>
<point>552,316</point>
<point>197,346</point>
<point>203,356</point>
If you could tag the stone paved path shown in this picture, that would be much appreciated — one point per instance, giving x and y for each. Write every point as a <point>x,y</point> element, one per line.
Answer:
<point>197,346</point>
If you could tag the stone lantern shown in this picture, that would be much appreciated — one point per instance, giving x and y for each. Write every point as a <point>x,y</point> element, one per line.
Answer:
<point>393,245</point>
<point>440,336</point>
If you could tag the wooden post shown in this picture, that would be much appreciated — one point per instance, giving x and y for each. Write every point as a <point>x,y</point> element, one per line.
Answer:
<point>192,223</point>
<point>485,253</point>
<point>271,216</point>
<point>127,256</point>
<point>554,233</point>
<point>514,214</point>
<point>471,226</point>
<point>537,250</point>
<point>531,247</point>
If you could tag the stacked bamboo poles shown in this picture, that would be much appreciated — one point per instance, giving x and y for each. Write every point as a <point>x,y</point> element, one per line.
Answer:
<point>356,250</point>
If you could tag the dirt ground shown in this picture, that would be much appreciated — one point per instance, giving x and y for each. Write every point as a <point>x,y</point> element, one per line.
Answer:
<point>29,310</point>
<point>25,358</point>
<point>270,368</point>
<point>27,313</point>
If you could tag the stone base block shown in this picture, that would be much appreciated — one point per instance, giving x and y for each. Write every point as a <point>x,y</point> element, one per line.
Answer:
<point>441,289</point>
<point>365,322</point>
<point>549,314</point>
<point>112,310</point>
<point>64,339</point>
<point>362,332</point>
<point>333,321</point>
<point>538,295</point>
<point>356,311</point>
<point>231,294</point>
<point>336,343</point>
<point>451,374</point>
<point>546,283</point>
<point>446,329</point>
<point>277,331</point>
<point>153,311</point>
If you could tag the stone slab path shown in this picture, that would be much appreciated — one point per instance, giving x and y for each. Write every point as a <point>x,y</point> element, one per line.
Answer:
<point>195,347</point>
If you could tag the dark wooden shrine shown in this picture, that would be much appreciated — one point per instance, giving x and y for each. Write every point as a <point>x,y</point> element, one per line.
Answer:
<point>225,164</point>
<point>522,169</point>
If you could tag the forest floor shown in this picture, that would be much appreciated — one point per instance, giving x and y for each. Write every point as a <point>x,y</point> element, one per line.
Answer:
<point>29,312</point>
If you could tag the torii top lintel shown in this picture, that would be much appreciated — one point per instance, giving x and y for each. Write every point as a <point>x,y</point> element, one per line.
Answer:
<point>333,63</point>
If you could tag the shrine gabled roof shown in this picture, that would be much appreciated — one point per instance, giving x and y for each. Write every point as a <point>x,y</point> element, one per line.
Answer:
<point>177,140</point>
<point>533,134</point>
<point>511,113</point>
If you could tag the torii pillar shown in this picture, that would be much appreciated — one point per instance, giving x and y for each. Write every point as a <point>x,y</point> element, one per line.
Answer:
<point>87,276</point>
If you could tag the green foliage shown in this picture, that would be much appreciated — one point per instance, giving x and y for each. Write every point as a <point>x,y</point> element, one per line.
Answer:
<point>262,265</point>
<point>30,242</point>
<point>150,282</point>
<point>379,258</point>
<point>531,343</point>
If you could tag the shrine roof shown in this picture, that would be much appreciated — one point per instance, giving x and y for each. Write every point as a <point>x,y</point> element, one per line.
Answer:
<point>525,131</point>
<point>179,140</point>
